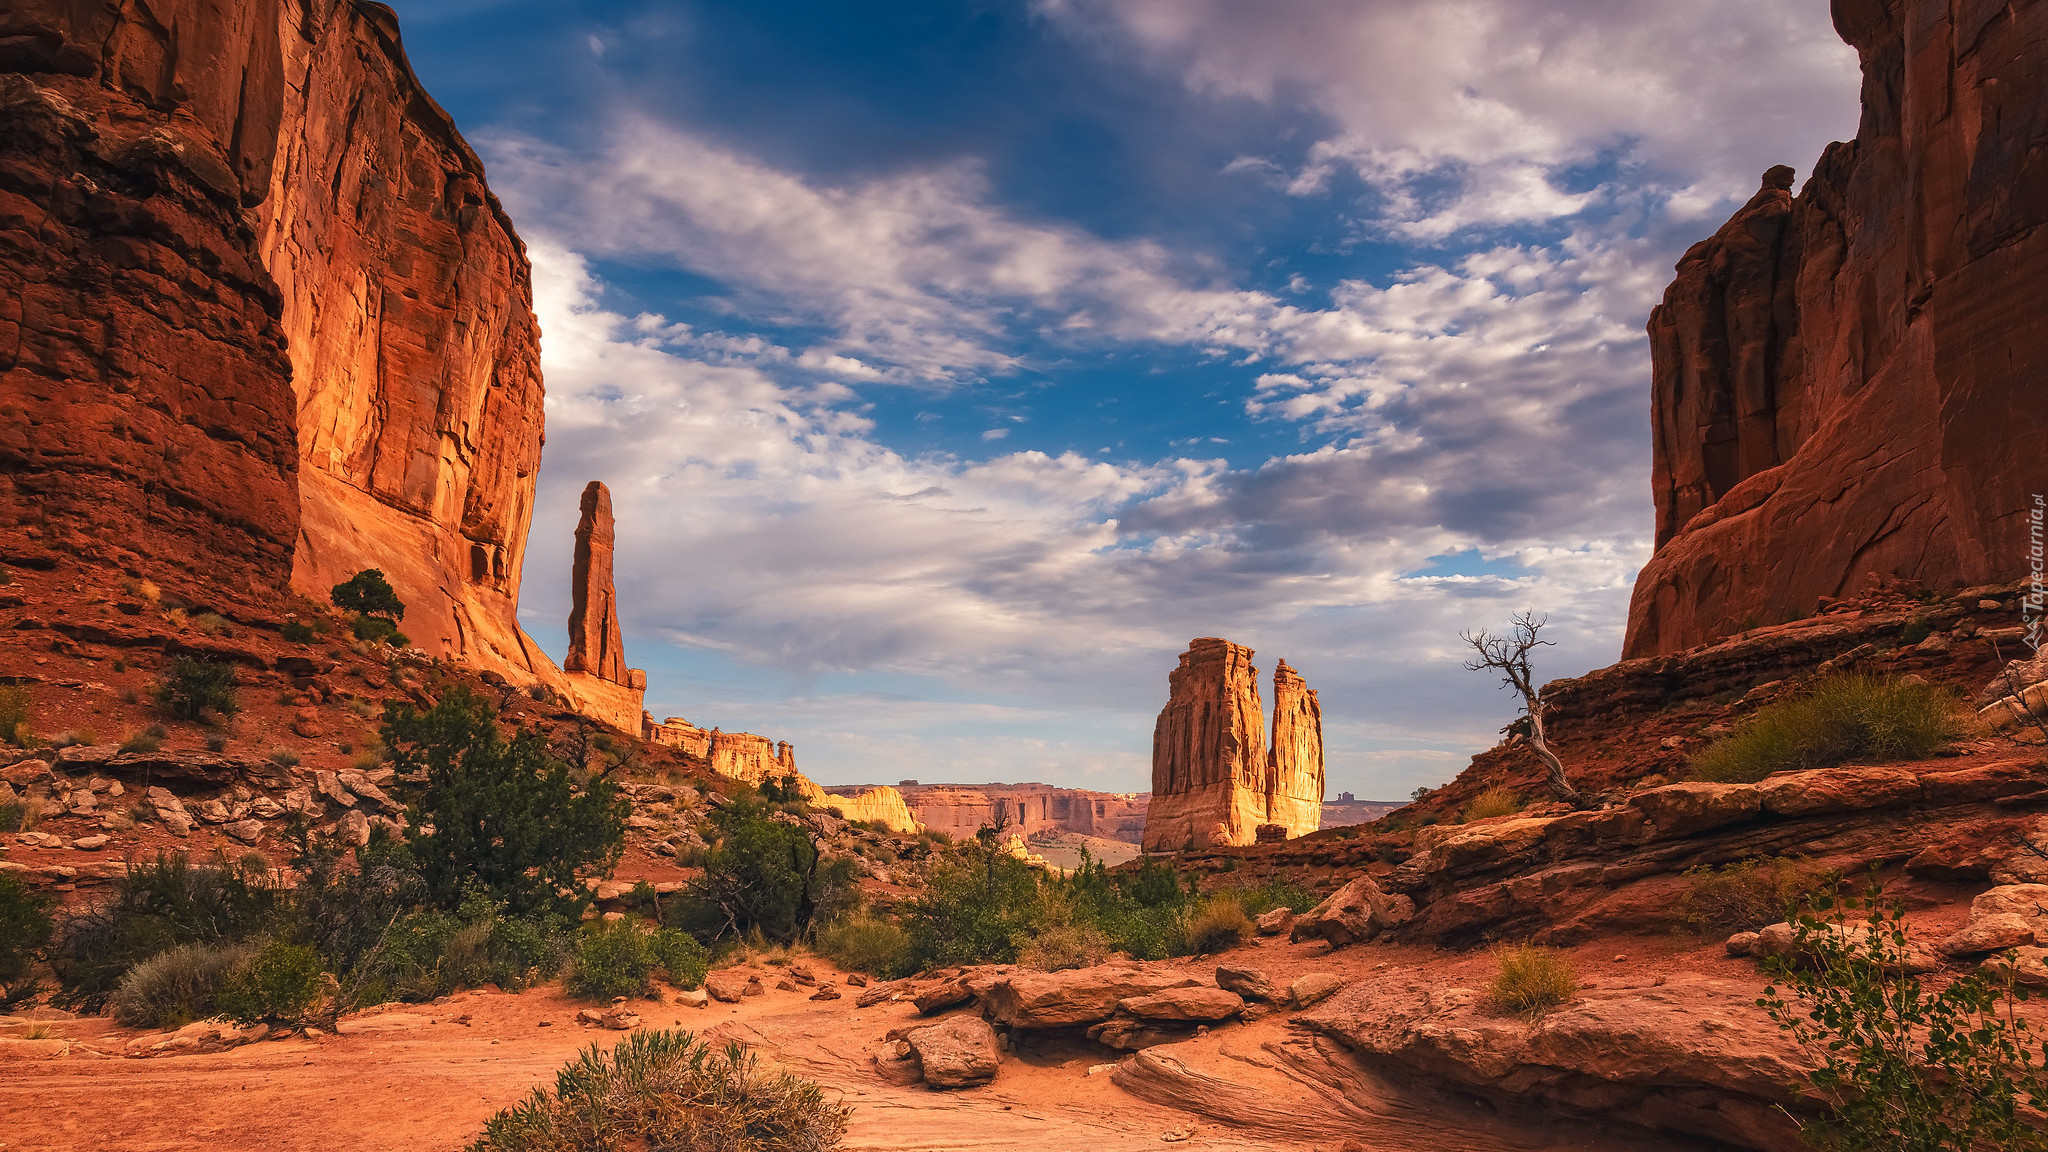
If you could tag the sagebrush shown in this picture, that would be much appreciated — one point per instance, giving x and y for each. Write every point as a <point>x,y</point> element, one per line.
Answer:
<point>1844,719</point>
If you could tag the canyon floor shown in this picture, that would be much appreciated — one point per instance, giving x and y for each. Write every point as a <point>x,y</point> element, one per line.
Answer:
<point>427,1076</point>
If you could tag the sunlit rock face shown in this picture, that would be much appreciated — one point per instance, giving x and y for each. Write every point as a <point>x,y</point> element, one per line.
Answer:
<point>1215,779</point>
<point>1845,381</point>
<point>407,311</point>
<point>146,407</point>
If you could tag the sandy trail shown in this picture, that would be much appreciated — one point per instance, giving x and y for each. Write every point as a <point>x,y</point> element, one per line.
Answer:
<point>415,1078</point>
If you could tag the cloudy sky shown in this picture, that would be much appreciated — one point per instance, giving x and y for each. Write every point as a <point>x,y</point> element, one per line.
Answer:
<point>953,364</point>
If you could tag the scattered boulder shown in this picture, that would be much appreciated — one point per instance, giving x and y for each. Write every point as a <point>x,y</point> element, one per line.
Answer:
<point>957,1052</point>
<point>2029,902</point>
<point>1742,943</point>
<point>353,828</point>
<point>938,997</point>
<point>1994,933</point>
<point>694,998</point>
<point>1313,988</point>
<point>95,843</point>
<point>1781,939</point>
<point>1074,997</point>
<point>754,987</point>
<point>856,980</point>
<point>1250,983</point>
<point>727,985</point>
<point>1132,1035</point>
<point>826,992</point>
<point>1194,1004</point>
<point>1276,922</point>
<point>620,1019</point>
<point>1355,913</point>
<point>2028,965</point>
<point>250,831</point>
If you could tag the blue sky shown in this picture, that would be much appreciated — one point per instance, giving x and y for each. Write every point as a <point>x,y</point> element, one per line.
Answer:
<point>953,365</point>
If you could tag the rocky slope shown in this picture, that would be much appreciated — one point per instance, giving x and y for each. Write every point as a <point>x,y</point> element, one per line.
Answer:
<point>1841,378</point>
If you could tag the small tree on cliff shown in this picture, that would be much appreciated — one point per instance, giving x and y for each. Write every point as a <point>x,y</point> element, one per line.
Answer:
<point>370,594</point>
<point>1509,656</point>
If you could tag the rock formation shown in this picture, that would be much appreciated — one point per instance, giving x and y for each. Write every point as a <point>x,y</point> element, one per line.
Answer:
<point>882,805</point>
<point>1843,379</point>
<point>146,413</point>
<point>1294,776</point>
<point>959,810</point>
<point>595,664</point>
<point>265,325</point>
<point>1214,778</point>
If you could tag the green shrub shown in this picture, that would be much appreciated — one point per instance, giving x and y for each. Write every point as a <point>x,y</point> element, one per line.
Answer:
<point>368,593</point>
<point>1492,802</point>
<point>1843,719</point>
<point>18,815</point>
<point>176,986</point>
<point>866,943</point>
<point>1532,978</point>
<point>297,633</point>
<point>1901,1066</point>
<point>679,956</point>
<point>1058,947</point>
<point>377,630</point>
<point>154,908</point>
<point>974,912</point>
<point>284,757</point>
<point>1916,630</point>
<point>1745,895</point>
<point>766,874</point>
<point>612,959</point>
<point>209,624</point>
<point>17,714</point>
<point>193,687</point>
<point>25,926</point>
<point>508,815</point>
<point>663,1089</point>
<point>1277,892</point>
<point>279,984</point>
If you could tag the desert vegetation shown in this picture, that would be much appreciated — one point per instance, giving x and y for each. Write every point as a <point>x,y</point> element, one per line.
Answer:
<point>669,1090</point>
<point>1745,895</point>
<point>1900,1063</point>
<point>1532,978</point>
<point>1843,719</point>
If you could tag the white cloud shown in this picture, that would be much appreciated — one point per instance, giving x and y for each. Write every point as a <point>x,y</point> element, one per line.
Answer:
<point>1471,113</point>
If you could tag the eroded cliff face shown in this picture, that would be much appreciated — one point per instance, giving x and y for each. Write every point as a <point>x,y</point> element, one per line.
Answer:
<point>1215,780</point>
<point>145,396</point>
<point>407,308</point>
<point>960,810</point>
<point>1843,379</point>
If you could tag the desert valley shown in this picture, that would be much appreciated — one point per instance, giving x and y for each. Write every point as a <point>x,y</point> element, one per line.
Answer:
<point>307,842</point>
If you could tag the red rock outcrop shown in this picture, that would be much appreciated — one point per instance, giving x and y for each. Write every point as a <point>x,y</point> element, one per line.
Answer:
<point>1214,778</point>
<point>1294,780</point>
<point>959,810</point>
<point>415,352</point>
<point>1842,379</point>
<point>145,397</point>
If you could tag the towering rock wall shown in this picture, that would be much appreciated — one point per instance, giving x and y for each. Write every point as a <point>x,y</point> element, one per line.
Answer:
<point>407,308</point>
<point>1214,778</point>
<point>1844,380</point>
<point>146,412</point>
<point>260,319</point>
<point>1294,779</point>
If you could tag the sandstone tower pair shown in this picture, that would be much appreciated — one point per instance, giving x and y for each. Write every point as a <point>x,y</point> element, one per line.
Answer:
<point>1215,780</point>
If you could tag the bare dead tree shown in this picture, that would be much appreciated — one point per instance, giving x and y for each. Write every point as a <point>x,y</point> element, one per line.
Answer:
<point>1509,656</point>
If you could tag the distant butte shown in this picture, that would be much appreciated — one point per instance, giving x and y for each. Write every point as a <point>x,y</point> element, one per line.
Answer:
<point>1215,780</point>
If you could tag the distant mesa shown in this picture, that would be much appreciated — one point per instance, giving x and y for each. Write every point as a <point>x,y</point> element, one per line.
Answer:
<point>960,810</point>
<point>1215,779</point>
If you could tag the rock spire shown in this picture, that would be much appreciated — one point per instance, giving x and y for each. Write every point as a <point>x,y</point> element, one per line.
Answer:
<point>1215,780</point>
<point>595,645</point>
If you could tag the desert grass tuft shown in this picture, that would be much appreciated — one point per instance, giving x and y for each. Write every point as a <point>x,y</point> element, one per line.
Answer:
<point>1532,978</point>
<point>1843,719</point>
<point>1492,802</point>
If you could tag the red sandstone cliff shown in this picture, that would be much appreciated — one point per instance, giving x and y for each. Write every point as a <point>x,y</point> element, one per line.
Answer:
<point>145,395</point>
<point>1843,380</point>
<point>415,353</point>
<point>261,322</point>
